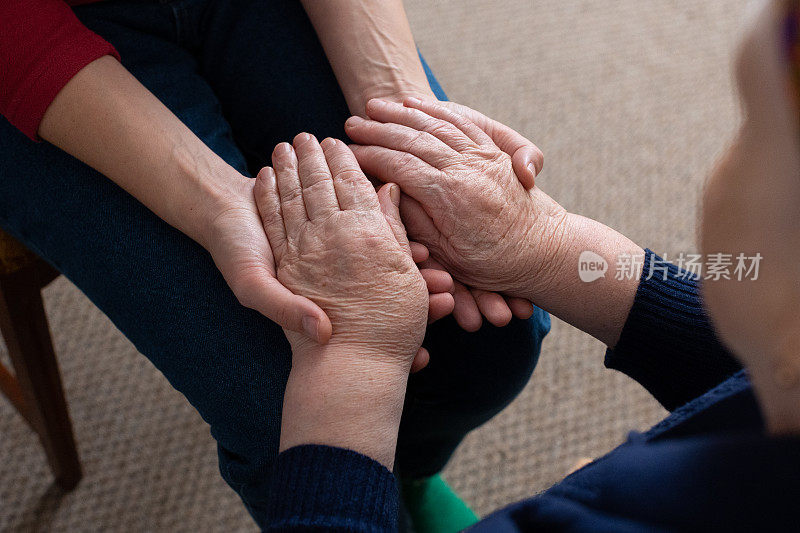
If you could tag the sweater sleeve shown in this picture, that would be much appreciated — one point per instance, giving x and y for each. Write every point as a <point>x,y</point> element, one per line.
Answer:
<point>322,488</point>
<point>667,343</point>
<point>42,46</point>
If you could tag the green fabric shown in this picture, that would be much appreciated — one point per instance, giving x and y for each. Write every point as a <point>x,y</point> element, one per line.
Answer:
<point>434,507</point>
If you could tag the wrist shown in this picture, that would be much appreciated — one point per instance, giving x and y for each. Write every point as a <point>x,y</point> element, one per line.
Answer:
<point>541,250</point>
<point>596,301</point>
<point>217,191</point>
<point>344,397</point>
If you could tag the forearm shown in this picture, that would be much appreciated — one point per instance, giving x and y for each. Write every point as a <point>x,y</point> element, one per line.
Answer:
<point>370,47</point>
<point>110,121</point>
<point>599,307</point>
<point>333,398</point>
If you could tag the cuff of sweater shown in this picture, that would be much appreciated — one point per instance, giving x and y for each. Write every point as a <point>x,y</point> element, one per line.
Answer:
<point>70,48</point>
<point>668,344</point>
<point>331,488</point>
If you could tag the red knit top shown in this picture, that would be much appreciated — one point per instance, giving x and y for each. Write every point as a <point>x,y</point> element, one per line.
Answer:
<point>42,46</point>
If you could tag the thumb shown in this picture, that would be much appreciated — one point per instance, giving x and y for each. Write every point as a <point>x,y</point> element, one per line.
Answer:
<point>421,360</point>
<point>527,162</point>
<point>389,200</point>
<point>269,297</point>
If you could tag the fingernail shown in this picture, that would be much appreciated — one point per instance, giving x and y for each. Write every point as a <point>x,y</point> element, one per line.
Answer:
<point>394,194</point>
<point>302,138</point>
<point>353,121</point>
<point>311,327</point>
<point>532,168</point>
<point>413,101</point>
<point>283,148</point>
<point>327,142</point>
<point>267,173</point>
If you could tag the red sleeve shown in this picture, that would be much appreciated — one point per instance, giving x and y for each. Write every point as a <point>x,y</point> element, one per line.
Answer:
<point>42,46</point>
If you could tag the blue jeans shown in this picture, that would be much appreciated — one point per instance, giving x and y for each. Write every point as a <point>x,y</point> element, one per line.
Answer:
<point>243,75</point>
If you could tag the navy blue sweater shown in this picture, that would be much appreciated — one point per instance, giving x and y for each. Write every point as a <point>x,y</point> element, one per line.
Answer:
<point>706,467</point>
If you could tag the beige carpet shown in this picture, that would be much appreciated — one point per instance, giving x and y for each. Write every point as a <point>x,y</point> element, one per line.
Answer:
<point>631,101</point>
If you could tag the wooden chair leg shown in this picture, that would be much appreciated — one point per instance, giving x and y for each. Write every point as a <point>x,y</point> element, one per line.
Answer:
<point>10,387</point>
<point>23,324</point>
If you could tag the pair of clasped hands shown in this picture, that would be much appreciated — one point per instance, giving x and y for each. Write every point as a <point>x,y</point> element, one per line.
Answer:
<point>451,190</point>
<point>446,185</point>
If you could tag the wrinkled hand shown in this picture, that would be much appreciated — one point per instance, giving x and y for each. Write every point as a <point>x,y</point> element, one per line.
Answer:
<point>471,305</point>
<point>466,203</point>
<point>527,161</point>
<point>526,158</point>
<point>338,243</point>
<point>239,246</point>
<point>237,242</point>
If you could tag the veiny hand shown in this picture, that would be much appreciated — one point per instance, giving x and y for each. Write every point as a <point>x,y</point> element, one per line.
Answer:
<point>466,203</point>
<point>342,246</point>
<point>527,160</point>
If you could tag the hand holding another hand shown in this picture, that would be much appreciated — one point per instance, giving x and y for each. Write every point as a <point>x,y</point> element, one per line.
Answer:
<point>466,203</point>
<point>341,245</point>
<point>472,305</point>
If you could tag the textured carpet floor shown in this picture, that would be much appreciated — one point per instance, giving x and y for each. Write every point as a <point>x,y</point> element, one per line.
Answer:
<point>630,101</point>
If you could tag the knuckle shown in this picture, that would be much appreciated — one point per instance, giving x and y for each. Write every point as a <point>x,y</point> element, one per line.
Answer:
<point>399,163</point>
<point>270,217</point>
<point>339,158</point>
<point>442,129</point>
<point>292,194</point>
<point>281,316</point>
<point>315,175</point>
<point>350,175</point>
<point>317,188</point>
<point>462,120</point>
<point>372,129</point>
<point>419,137</point>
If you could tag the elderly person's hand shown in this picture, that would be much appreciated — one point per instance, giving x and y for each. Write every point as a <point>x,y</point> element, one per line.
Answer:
<point>527,161</point>
<point>342,245</point>
<point>750,207</point>
<point>466,203</point>
<point>471,304</point>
